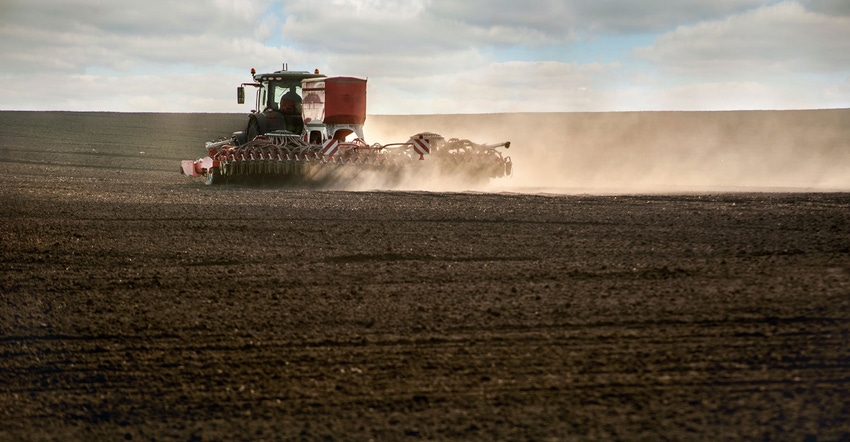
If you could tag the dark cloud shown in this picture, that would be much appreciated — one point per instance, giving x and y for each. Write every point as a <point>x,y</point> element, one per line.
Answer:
<point>560,19</point>
<point>828,7</point>
<point>389,29</point>
<point>148,18</point>
<point>76,35</point>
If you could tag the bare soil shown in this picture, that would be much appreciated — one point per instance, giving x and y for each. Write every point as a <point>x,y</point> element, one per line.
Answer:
<point>138,304</point>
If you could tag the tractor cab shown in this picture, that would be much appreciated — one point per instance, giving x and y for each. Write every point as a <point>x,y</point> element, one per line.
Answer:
<point>278,102</point>
<point>312,106</point>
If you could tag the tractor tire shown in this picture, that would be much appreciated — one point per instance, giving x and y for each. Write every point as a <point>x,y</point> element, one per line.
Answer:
<point>253,129</point>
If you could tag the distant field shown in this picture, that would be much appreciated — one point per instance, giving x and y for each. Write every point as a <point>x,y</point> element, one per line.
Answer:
<point>552,152</point>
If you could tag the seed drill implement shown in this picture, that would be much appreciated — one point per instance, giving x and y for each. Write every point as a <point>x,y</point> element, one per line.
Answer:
<point>307,129</point>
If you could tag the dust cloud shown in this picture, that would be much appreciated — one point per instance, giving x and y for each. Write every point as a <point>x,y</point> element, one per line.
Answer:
<point>653,152</point>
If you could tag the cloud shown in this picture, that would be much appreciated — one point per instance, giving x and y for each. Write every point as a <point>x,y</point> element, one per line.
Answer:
<point>427,56</point>
<point>165,92</point>
<point>497,87</point>
<point>391,29</point>
<point>426,27</point>
<point>77,36</point>
<point>726,96</point>
<point>557,19</point>
<point>152,17</point>
<point>784,38</point>
<point>828,7</point>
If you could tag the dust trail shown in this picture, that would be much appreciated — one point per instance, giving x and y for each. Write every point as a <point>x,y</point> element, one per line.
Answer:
<point>654,152</point>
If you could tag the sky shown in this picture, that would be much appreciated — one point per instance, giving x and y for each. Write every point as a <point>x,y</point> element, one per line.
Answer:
<point>430,56</point>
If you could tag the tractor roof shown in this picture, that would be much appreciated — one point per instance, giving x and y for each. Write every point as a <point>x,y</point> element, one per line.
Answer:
<point>289,76</point>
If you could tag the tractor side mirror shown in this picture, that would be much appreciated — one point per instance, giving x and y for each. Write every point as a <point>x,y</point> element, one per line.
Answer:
<point>240,95</point>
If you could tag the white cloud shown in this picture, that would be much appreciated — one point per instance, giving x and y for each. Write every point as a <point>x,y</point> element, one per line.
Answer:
<point>170,92</point>
<point>726,96</point>
<point>784,38</point>
<point>496,87</point>
<point>836,95</point>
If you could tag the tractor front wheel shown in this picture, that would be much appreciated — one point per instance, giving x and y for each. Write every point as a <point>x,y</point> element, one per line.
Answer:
<point>253,129</point>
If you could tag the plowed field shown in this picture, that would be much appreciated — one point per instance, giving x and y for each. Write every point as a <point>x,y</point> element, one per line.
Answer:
<point>138,304</point>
